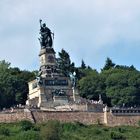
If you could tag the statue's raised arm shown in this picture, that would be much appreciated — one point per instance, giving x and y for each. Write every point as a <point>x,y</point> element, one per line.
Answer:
<point>46,36</point>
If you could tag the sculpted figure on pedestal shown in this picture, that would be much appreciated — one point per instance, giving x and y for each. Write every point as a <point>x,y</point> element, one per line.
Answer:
<point>46,36</point>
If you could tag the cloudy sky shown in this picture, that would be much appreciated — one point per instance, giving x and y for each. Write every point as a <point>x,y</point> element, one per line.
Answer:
<point>91,30</point>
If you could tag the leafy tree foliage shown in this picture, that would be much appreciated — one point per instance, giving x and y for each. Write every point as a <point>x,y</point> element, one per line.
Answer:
<point>80,73</point>
<point>91,85</point>
<point>64,63</point>
<point>125,67</point>
<point>83,65</point>
<point>123,86</point>
<point>13,85</point>
<point>119,85</point>
<point>108,64</point>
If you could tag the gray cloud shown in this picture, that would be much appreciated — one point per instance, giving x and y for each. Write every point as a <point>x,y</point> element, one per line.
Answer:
<point>90,29</point>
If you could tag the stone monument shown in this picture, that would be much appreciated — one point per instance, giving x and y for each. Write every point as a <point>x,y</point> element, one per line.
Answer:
<point>50,88</point>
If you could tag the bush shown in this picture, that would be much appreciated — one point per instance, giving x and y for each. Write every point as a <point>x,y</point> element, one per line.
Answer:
<point>105,129</point>
<point>121,129</point>
<point>117,136</point>
<point>70,127</point>
<point>28,135</point>
<point>36,128</point>
<point>96,131</point>
<point>2,137</point>
<point>51,131</point>
<point>26,125</point>
<point>80,124</point>
<point>4,131</point>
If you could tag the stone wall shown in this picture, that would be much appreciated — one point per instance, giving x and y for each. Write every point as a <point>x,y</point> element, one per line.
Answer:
<point>83,117</point>
<point>113,120</point>
<point>15,116</point>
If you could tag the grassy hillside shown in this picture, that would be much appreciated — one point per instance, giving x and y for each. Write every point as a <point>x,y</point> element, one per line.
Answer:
<point>54,130</point>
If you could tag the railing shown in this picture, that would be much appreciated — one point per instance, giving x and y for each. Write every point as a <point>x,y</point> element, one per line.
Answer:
<point>125,111</point>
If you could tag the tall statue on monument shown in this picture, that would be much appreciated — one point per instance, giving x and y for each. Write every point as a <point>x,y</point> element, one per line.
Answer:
<point>46,36</point>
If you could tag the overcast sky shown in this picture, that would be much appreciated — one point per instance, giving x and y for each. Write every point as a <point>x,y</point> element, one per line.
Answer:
<point>91,30</point>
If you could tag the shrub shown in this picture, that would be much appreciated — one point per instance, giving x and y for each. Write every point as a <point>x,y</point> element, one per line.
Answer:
<point>80,124</point>
<point>105,129</point>
<point>4,131</point>
<point>51,131</point>
<point>121,129</point>
<point>117,136</point>
<point>36,128</point>
<point>2,137</point>
<point>96,131</point>
<point>69,126</point>
<point>26,125</point>
<point>28,135</point>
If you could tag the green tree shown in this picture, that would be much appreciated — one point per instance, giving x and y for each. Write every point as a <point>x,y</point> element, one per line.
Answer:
<point>123,86</point>
<point>125,67</point>
<point>6,91</point>
<point>83,65</point>
<point>22,86</point>
<point>13,83</point>
<point>64,63</point>
<point>80,73</point>
<point>108,64</point>
<point>91,86</point>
